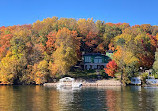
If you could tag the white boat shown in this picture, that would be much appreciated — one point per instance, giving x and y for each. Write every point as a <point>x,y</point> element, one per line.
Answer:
<point>136,80</point>
<point>151,80</point>
<point>68,82</point>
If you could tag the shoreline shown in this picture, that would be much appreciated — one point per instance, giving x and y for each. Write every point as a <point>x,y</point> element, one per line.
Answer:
<point>91,84</point>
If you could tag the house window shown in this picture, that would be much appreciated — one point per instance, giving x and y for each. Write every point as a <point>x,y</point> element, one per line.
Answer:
<point>98,59</point>
<point>87,59</point>
<point>88,67</point>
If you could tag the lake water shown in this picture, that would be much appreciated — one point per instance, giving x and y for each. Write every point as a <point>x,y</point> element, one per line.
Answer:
<point>40,98</point>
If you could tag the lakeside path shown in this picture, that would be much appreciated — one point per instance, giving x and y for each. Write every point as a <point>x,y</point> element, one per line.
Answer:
<point>96,83</point>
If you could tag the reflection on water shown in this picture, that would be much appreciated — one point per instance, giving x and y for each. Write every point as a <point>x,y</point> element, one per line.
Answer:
<point>66,97</point>
<point>39,98</point>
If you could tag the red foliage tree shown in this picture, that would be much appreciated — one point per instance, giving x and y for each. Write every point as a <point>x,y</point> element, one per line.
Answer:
<point>153,41</point>
<point>146,61</point>
<point>50,44</point>
<point>5,44</point>
<point>91,39</point>
<point>111,68</point>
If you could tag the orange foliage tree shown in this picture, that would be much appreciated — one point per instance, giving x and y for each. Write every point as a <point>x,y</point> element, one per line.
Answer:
<point>5,44</point>
<point>111,68</point>
<point>50,44</point>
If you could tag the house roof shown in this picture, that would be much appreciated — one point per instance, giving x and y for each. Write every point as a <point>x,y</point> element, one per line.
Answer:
<point>93,54</point>
<point>96,54</point>
<point>110,51</point>
<point>66,79</point>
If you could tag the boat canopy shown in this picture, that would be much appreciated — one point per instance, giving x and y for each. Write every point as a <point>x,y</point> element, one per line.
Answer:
<point>66,79</point>
<point>135,80</point>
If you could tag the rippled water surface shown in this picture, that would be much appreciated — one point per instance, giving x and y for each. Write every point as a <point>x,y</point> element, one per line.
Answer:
<point>39,98</point>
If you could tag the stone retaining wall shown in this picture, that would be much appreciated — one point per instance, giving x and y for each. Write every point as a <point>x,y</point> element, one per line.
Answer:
<point>96,83</point>
<point>103,83</point>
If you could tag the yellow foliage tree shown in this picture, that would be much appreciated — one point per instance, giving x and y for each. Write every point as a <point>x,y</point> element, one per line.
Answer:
<point>8,69</point>
<point>127,63</point>
<point>40,72</point>
<point>65,55</point>
<point>86,26</point>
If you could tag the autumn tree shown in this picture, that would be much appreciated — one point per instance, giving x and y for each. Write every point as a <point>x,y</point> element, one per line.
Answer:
<point>65,55</point>
<point>91,42</point>
<point>9,69</point>
<point>123,25</point>
<point>50,44</point>
<point>5,44</point>
<point>147,47</point>
<point>20,48</point>
<point>88,32</point>
<point>101,27</point>
<point>6,34</point>
<point>142,45</point>
<point>69,23</point>
<point>154,30</point>
<point>43,28</point>
<point>40,72</point>
<point>127,63</point>
<point>86,26</point>
<point>111,31</point>
<point>111,68</point>
<point>155,65</point>
<point>147,28</point>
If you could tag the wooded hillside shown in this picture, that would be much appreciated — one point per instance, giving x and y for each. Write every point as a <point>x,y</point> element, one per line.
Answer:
<point>36,53</point>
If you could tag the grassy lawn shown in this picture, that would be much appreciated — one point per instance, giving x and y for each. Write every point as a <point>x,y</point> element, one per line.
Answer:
<point>88,74</point>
